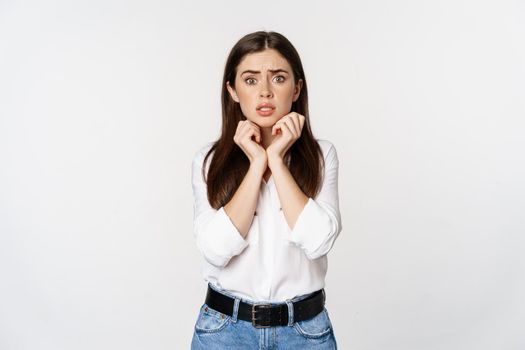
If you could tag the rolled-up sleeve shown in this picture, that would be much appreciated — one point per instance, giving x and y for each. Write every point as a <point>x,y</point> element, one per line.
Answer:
<point>319,223</point>
<point>216,236</point>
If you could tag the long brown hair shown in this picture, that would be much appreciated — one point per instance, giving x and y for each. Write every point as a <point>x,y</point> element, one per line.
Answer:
<point>229,164</point>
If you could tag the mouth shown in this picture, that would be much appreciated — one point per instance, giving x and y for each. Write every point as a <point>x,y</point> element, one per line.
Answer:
<point>265,107</point>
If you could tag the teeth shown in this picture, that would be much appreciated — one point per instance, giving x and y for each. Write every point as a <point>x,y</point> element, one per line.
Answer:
<point>266,109</point>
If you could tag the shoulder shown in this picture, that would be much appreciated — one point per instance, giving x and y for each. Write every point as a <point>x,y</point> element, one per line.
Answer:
<point>200,153</point>
<point>202,150</point>
<point>327,147</point>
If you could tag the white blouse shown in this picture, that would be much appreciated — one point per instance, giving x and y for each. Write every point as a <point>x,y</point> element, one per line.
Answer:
<point>273,263</point>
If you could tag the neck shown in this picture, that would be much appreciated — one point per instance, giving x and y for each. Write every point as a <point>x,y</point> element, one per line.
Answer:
<point>267,137</point>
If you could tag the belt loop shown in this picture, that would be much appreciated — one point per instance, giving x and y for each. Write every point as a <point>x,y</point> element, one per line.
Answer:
<point>235,309</point>
<point>290,312</point>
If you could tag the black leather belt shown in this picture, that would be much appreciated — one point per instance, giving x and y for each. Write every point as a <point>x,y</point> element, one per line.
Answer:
<point>263,315</point>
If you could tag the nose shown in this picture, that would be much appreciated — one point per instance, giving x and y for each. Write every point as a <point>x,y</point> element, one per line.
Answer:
<point>265,90</point>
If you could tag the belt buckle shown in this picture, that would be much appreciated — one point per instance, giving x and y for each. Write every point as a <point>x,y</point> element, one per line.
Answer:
<point>254,318</point>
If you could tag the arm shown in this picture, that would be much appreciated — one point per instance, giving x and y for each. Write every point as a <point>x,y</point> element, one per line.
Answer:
<point>241,207</point>
<point>220,233</point>
<point>314,223</point>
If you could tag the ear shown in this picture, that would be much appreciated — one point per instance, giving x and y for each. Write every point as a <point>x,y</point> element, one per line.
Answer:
<point>232,92</point>
<point>297,90</point>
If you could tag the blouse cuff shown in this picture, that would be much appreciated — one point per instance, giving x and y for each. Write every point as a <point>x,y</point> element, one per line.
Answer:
<point>221,240</point>
<point>311,227</point>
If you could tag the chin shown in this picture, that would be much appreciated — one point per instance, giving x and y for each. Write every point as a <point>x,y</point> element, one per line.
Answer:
<point>266,122</point>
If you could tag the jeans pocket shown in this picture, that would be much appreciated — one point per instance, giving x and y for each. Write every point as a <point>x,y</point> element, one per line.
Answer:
<point>316,327</point>
<point>210,320</point>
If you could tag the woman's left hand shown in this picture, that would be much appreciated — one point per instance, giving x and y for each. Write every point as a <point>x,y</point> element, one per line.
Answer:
<point>288,129</point>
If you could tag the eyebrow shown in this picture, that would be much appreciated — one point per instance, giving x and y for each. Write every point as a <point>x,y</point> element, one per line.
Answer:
<point>270,70</point>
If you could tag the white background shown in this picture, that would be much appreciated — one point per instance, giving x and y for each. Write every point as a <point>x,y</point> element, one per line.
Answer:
<point>103,104</point>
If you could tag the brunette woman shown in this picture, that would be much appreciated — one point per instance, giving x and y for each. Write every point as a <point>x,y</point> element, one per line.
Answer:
<point>266,210</point>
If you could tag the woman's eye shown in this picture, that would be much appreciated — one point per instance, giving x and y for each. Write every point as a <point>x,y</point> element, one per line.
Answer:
<point>251,81</point>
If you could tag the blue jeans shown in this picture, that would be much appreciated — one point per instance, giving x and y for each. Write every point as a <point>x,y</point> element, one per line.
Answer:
<point>214,330</point>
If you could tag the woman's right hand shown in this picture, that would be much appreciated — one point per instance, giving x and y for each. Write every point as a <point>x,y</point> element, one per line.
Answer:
<point>246,130</point>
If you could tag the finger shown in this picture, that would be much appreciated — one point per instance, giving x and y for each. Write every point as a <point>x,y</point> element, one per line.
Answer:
<point>257,133</point>
<point>245,125</point>
<point>286,129</point>
<point>252,134</point>
<point>245,131</point>
<point>294,125</point>
<point>299,123</point>
<point>237,134</point>
<point>291,126</point>
<point>302,119</point>
<point>249,122</point>
<point>241,136</point>
<point>255,128</point>
<point>276,127</point>
<point>239,126</point>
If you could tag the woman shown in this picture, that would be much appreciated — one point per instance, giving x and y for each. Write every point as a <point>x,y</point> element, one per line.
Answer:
<point>266,208</point>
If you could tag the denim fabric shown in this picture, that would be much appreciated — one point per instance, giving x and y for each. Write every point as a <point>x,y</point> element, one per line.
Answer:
<point>214,330</point>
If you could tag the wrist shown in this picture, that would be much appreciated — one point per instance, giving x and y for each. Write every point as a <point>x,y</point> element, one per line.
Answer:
<point>275,162</point>
<point>259,165</point>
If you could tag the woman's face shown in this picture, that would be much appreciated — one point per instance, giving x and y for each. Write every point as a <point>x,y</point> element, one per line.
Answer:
<point>265,77</point>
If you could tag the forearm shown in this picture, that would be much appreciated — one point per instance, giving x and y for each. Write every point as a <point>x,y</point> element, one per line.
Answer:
<point>241,207</point>
<point>290,194</point>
